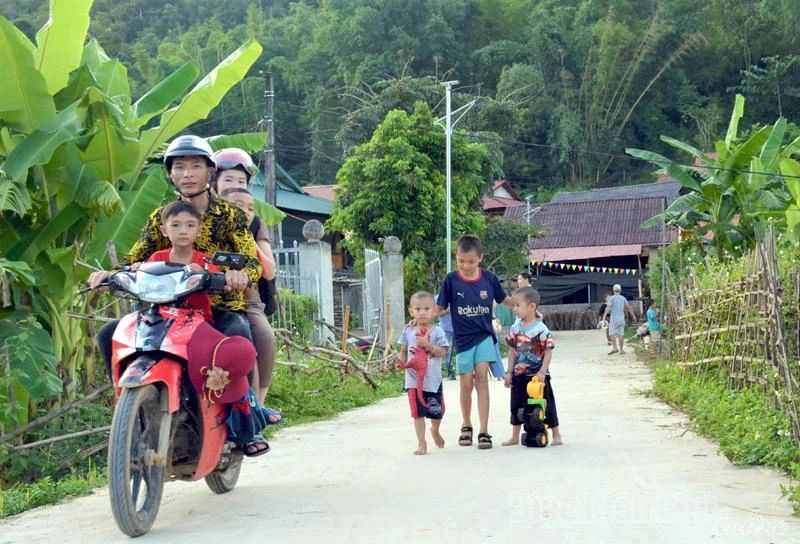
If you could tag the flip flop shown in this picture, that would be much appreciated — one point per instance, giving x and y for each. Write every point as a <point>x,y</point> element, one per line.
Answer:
<point>257,446</point>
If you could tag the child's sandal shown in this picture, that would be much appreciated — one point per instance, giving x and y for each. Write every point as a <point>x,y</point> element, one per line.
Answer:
<point>466,436</point>
<point>484,441</point>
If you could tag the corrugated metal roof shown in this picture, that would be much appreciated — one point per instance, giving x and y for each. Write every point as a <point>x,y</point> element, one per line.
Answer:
<point>291,201</point>
<point>579,253</point>
<point>668,189</point>
<point>598,223</point>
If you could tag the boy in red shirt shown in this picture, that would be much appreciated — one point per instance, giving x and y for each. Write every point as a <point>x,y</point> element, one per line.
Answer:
<point>180,222</point>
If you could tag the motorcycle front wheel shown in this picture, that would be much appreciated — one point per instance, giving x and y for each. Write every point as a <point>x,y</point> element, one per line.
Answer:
<point>135,480</point>
<point>222,481</point>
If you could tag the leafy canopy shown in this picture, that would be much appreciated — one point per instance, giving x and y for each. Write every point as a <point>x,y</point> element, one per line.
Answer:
<point>394,185</point>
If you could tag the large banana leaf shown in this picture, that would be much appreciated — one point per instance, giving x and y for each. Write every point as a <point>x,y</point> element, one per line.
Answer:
<point>674,170</point>
<point>736,115</point>
<point>688,148</point>
<point>159,98</point>
<point>18,270</point>
<point>125,227</point>
<point>40,239</point>
<point>60,41</point>
<point>771,149</point>
<point>252,142</point>
<point>113,149</point>
<point>791,169</point>
<point>204,97</point>
<point>742,155</point>
<point>112,78</point>
<point>39,146</point>
<point>25,103</point>
<point>270,214</point>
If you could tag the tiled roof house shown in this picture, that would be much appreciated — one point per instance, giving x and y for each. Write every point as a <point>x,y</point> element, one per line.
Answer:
<point>598,228</point>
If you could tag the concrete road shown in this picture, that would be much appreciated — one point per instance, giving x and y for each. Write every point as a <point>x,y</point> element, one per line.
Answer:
<point>628,472</point>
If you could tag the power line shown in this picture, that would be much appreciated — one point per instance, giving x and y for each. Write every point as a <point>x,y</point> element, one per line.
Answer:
<point>226,116</point>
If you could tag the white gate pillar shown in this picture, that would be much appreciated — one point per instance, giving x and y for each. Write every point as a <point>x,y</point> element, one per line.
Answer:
<point>394,294</point>
<point>316,274</point>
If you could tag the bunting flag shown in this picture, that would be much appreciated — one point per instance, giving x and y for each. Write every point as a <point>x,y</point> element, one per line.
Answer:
<point>585,268</point>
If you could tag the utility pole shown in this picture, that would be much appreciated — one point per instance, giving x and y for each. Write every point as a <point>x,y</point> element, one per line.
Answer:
<point>528,220</point>
<point>269,149</point>
<point>448,130</point>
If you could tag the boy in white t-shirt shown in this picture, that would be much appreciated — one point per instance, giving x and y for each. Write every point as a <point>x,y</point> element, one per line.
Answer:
<point>423,346</point>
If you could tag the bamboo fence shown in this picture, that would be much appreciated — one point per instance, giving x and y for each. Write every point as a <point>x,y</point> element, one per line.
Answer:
<point>747,328</point>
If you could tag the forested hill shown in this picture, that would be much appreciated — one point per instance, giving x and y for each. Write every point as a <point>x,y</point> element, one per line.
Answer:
<point>562,86</point>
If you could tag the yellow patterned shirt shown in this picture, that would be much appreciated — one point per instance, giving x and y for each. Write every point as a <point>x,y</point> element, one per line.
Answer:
<point>224,228</point>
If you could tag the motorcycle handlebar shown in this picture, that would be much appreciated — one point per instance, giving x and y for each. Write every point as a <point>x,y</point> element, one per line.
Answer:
<point>215,283</point>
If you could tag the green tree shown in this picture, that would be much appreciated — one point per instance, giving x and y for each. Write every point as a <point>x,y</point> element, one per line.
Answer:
<point>505,243</point>
<point>394,185</point>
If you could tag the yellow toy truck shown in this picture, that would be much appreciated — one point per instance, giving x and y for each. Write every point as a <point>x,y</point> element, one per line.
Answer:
<point>532,416</point>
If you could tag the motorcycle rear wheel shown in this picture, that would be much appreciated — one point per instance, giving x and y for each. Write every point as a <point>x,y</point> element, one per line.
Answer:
<point>222,481</point>
<point>135,481</point>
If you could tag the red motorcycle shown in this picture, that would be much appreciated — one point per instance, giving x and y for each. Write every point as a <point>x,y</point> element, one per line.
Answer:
<point>161,427</point>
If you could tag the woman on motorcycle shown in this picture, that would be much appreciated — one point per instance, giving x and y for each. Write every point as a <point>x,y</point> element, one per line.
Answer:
<point>235,167</point>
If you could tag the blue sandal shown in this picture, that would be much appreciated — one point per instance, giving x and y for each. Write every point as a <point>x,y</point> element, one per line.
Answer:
<point>257,446</point>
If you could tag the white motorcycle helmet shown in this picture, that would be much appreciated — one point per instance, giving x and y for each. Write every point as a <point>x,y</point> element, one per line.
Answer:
<point>189,146</point>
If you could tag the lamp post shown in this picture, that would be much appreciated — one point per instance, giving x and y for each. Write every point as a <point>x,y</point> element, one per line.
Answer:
<point>528,220</point>
<point>448,131</point>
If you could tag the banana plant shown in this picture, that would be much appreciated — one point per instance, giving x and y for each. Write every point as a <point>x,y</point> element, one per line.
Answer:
<point>78,170</point>
<point>732,194</point>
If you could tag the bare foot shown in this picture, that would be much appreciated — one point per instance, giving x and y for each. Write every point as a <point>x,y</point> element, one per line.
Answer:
<point>437,439</point>
<point>621,352</point>
<point>557,440</point>
<point>422,448</point>
<point>511,442</point>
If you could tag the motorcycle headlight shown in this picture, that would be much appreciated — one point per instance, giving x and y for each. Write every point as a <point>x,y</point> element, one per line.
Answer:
<point>156,289</point>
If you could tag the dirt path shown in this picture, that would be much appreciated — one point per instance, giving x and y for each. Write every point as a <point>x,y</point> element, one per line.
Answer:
<point>628,473</point>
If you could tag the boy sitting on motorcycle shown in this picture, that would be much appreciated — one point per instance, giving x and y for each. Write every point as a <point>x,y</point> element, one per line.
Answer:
<point>180,222</point>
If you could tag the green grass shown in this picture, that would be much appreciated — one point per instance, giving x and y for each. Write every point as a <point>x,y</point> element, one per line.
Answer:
<point>21,497</point>
<point>749,431</point>
<point>304,398</point>
<point>300,397</point>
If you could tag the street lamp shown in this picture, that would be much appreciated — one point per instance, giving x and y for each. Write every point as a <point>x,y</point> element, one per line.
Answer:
<point>528,219</point>
<point>448,130</point>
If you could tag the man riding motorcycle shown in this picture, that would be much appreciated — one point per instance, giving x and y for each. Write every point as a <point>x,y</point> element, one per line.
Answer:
<point>190,165</point>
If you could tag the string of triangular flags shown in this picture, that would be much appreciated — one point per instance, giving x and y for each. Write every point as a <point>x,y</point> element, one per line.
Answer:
<point>586,268</point>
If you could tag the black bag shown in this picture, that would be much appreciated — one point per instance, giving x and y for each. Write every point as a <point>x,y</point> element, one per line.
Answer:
<point>267,291</point>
